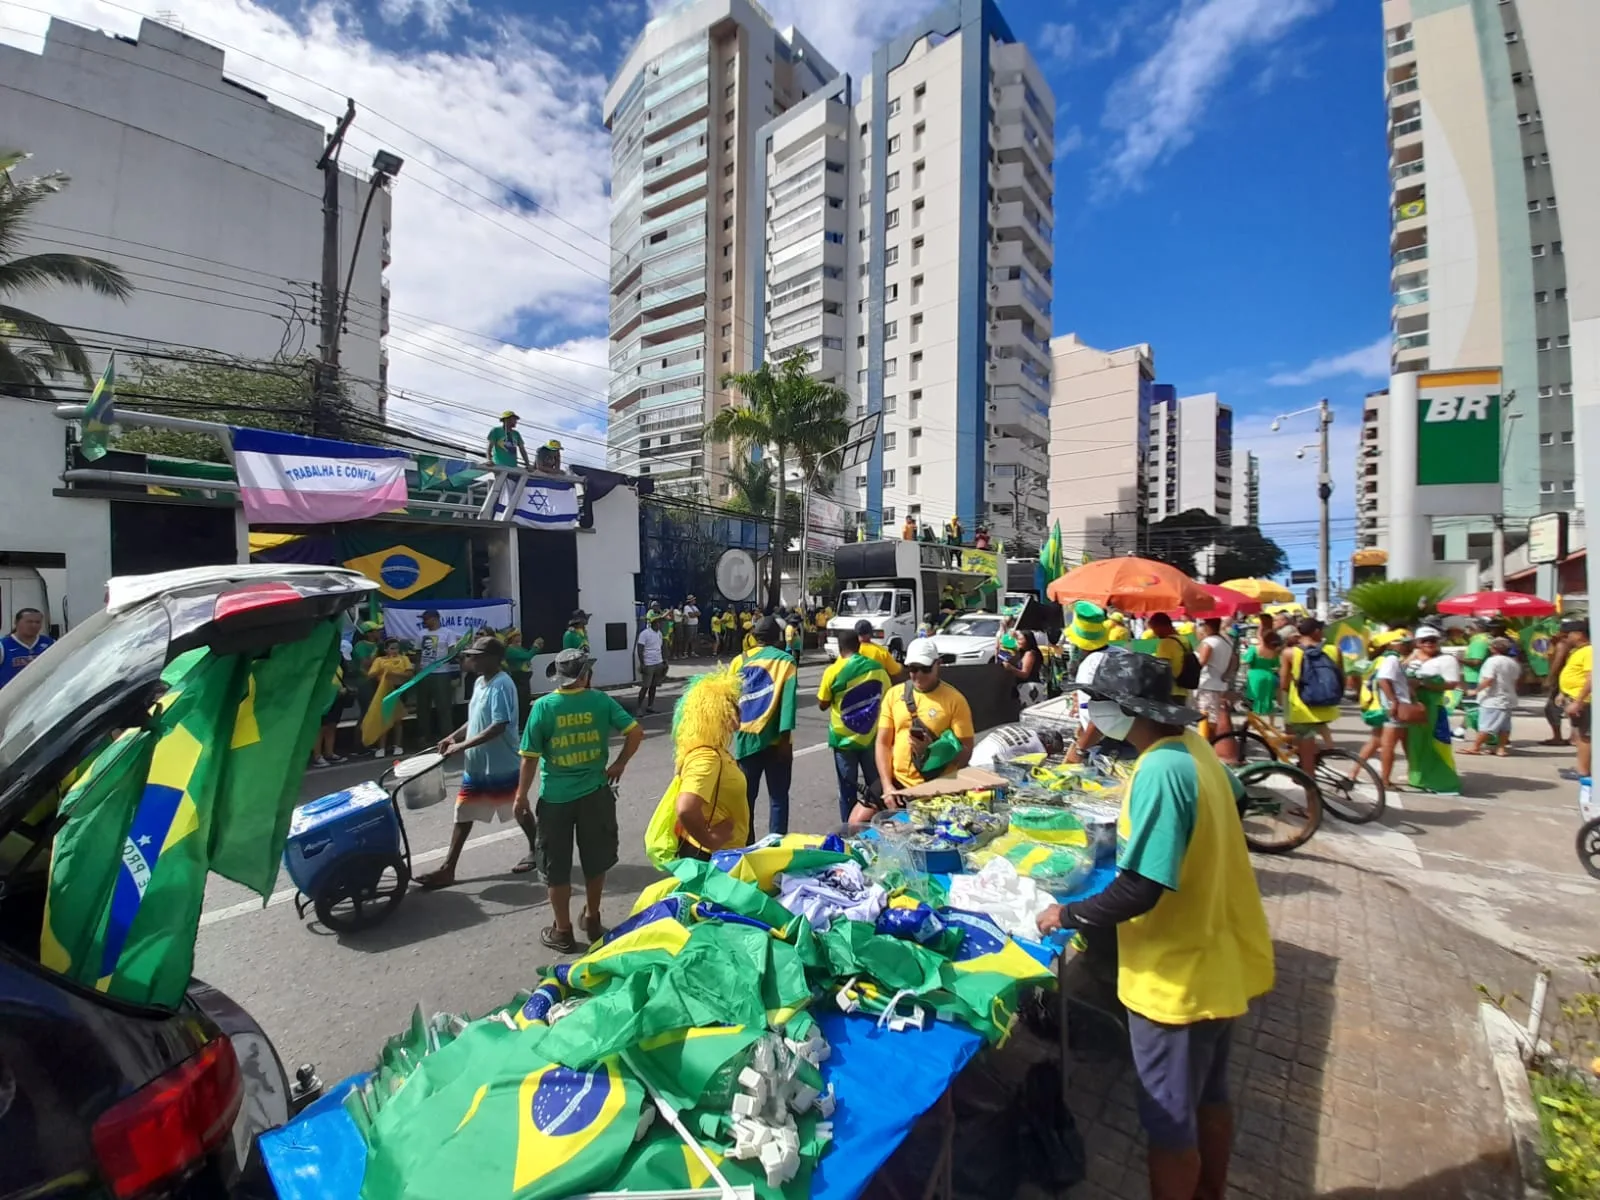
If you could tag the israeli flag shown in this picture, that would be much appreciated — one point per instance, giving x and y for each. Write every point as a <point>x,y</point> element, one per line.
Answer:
<point>544,504</point>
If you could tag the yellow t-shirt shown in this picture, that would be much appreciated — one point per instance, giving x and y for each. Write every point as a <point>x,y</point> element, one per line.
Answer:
<point>1204,951</point>
<point>882,657</point>
<point>1301,713</point>
<point>941,709</point>
<point>1575,671</point>
<point>1117,632</point>
<point>1171,650</point>
<point>714,776</point>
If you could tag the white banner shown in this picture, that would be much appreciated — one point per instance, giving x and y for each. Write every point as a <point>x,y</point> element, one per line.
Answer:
<point>403,619</point>
<point>829,520</point>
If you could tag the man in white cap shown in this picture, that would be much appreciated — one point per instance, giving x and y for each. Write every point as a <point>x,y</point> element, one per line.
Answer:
<point>924,729</point>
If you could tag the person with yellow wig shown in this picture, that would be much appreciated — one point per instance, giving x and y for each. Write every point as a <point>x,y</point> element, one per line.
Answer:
<point>706,807</point>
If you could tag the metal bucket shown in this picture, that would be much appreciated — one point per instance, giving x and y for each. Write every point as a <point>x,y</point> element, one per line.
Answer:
<point>421,781</point>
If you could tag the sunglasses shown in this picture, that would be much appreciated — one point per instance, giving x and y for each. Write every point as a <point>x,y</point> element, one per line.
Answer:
<point>917,668</point>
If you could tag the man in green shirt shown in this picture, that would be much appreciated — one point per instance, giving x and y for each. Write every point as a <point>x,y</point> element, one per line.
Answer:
<point>564,744</point>
<point>577,635</point>
<point>1477,651</point>
<point>764,743</point>
<point>505,443</point>
<point>362,651</point>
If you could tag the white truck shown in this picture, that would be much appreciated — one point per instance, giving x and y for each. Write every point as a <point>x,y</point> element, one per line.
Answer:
<point>895,584</point>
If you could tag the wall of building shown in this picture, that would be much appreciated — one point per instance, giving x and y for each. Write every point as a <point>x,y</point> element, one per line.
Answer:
<point>1100,413</point>
<point>204,192</point>
<point>32,457</point>
<point>608,560</point>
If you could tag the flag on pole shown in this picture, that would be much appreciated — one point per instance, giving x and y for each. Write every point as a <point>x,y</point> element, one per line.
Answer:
<point>1050,556</point>
<point>99,414</point>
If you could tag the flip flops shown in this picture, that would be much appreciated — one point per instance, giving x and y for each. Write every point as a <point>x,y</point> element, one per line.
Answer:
<point>526,863</point>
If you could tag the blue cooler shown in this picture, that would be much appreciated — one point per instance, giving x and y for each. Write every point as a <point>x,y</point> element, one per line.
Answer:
<point>359,820</point>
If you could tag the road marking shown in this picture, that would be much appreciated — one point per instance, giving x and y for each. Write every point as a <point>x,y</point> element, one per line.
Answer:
<point>245,907</point>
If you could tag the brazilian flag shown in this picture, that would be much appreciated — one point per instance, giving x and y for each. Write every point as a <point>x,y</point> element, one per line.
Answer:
<point>436,474</point>
<point>855,688</point>
<point>1349,637</point>
<point>1537,639</point>
<point>768,683</point>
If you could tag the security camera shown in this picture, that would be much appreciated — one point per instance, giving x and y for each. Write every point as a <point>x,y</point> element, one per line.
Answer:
<point>1300,453</point>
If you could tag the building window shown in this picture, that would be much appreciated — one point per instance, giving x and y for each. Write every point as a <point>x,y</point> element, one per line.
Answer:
<point>1566,485</point>
<point>916,444</point>
<point>917,207</point>
<point>727,117</point>
<point>861,481</point>
<point>727,222</point>
<point>892,219</point>
<point>891,368</point>
<point>918,173</point>
<point>1566,437</point>
<point>916,252</point>
<point>892,182</point>
<point>865,128</point>
<point>888,514</point>
<point>1563,340</point>
<point>727,303</point>
<point>861,341</point>
<point>1561,294</point>
<point>727,330</point>
<point>894,106</point>
<point>1555,247</point>
<point>861,234</point>
<point>1533,206</point>
<point>1549,201</point>
<point>1541,297</point>
<point>861,271</point>
<point>1517,77</point>
<point>888,441</point>
<point>1543,343</point>
<point>728,91</point>
<point>863,199</point>
<point>1538,249</point>
<point>833,237</point>
<point>916,289</point>
<point>727,356</point>
<point>891,256</point>
<point>888,405</point>
<point>892,292</point>
<point>1512,37</point>
<point>1564,389</point>
<point>888,478</point>
<point>916,365</point>
<point>727,171</point>
<point>1546,391</point>
<point>727,251</point>
<point>917,95</point>
<point>915,481</point>
<point>916,406</point>
<point>861,376</point>
<point>894,144</point>
<point>727,144</point>
<point>1547,487</point>
<point>891,330</point>
<point>727,196</point>
<point>916,327</point>
<point>918,131</point>
<point>1547,439</point>
<point>835,202</point>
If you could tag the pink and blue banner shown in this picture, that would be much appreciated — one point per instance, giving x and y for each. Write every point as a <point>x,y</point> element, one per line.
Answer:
<point>287,479</point>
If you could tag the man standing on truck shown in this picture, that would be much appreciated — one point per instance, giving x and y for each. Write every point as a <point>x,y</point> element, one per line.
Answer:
<point>764,744</point>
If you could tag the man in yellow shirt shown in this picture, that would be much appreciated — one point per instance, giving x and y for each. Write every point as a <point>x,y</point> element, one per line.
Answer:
<point>865,634</point>
<point>1577,680</point>
<point>1193,947</point>
<point>925,730</point>
<point>1170,648</point>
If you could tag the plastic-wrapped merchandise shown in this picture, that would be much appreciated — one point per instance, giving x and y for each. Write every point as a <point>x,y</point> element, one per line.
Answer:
<point>1051,824</point>
<point>1099,819</point>
<point>1055,867</point>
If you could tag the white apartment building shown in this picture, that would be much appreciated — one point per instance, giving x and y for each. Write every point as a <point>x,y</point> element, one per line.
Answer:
<point>1247,489</point>
<point>205,194</point>
<point>1371,501</point>
<point>1492,107</point>
<point>1190,455</point>
<point>908,246</point>
<point>1101,404</point>
<point>683,112</point>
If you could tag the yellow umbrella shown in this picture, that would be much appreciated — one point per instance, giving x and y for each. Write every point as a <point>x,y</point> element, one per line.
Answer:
<point>1290,607</point>
<point>1263,590</point>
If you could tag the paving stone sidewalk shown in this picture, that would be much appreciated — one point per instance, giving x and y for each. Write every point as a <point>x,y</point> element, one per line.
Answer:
<point>1362,1075</point>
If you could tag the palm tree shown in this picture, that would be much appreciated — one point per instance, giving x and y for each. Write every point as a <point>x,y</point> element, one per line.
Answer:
<point>47,351</point>
<point>795,417</point>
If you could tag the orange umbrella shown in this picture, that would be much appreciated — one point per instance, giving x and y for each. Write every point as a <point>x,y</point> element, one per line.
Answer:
<point>1134,585</point>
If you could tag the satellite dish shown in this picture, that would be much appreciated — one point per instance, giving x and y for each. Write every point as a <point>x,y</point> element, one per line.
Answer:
<point>736,575</point>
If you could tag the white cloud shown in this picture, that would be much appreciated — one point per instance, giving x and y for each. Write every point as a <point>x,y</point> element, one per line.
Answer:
<point>847,31</point>
<point>1369,362</point>
<point>1058,39</point>
<point>480,256</point>
<point>435,15</point>
<point>1154,109</point>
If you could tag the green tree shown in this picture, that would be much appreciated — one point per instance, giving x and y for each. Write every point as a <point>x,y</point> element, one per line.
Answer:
<point>1397,602</point>
<point>1246,553</point>
<point>1174,540</point>
<point>1240,551</point>
<point>34,351</point>
<point>796,418</point>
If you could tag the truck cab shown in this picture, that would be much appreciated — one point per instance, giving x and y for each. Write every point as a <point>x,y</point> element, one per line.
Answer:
<point>894,584</point>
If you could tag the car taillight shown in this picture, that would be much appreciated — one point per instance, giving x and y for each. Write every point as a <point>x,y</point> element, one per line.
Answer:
<point>171,1123</point>
<point>253,596</point>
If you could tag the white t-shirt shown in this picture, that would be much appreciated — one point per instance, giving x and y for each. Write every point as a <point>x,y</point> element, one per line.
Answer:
<point>1391,667</point>
<point>649,647</point>
<point>1214,671</point>
<point>691,613</point>
<point>1497,682</point>
<point>1440,666</point>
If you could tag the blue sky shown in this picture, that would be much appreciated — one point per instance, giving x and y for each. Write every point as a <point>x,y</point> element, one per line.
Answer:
<point>1220,191</point>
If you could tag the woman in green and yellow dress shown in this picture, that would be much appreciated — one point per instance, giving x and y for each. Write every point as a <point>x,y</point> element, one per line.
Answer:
<point>1260,660</point>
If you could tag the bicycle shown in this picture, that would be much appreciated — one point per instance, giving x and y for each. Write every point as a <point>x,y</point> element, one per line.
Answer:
<point>1280,806</point>
<point>1351,788</point>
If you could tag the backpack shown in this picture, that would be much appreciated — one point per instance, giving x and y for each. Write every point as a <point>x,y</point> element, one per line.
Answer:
<point>1188,676</point>
<point>1320,683</point>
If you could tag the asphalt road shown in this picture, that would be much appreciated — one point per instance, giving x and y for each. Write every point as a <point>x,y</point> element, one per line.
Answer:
<point>332,999</point>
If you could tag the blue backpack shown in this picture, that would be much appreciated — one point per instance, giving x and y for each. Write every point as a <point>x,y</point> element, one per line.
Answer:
<point>1320,682</point>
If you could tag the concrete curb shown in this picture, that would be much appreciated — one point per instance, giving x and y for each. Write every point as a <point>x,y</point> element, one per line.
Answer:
<point>1522,1118</point>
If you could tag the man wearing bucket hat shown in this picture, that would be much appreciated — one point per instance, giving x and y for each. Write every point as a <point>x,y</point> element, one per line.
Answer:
<point>1192,941</point>
<point>1084,634</point>
<point>924,729</point>
<point>565,744</point>
<point>489,775</point>
<point>505,443</point>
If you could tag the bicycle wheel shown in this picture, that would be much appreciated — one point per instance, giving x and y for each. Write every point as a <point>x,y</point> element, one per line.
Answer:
<point>1247,746</point>
<point>1281,807</point>
<point>1351,787</point>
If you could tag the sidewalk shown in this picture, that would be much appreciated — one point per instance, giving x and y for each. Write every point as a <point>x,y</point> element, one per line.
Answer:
<point>1363,1074</point>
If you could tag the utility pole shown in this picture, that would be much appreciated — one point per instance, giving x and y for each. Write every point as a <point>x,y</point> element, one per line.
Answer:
<point>1324,494</point>
<point>326,389</point>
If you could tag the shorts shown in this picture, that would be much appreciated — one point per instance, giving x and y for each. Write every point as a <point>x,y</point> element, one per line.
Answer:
<point>1313,730</point>
<point>652,676</point>
<point>591,821</point>
<point>1210,704</point>
<point>1494,720</point>
<point>1177,1068</point>
<point>1580,723</point>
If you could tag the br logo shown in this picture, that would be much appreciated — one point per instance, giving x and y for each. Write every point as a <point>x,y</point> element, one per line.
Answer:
<point>1457,408</point>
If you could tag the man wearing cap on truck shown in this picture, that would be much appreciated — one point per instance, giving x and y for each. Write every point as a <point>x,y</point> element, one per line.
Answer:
<point>505,443</point>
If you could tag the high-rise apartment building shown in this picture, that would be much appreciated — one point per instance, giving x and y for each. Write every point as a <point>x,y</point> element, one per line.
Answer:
<point>1492,105</point>
<point>1189,461</point>
<point>1101,406</point>
<point>683,113</point>
<point>1247,489</point>
<point>908,248</point>
<point>1369,493</point>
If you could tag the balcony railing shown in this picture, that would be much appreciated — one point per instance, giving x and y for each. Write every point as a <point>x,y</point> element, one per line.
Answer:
<point>1413,254</point>
<point>1414,125</point>
<point>1405,169</point>
<point>1410,341</point>
<point>1414,296</point>
<point>1402,87</point>
<point>1396,49</point>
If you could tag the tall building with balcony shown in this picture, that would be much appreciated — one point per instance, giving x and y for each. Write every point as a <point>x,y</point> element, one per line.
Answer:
<point>1369,493</point>
<point>1247,489</point>
<point>1491,108</point>
<point>1189,461</point>
<point>683,112</point>
<point>1101,413</point>
<point>908,246</point>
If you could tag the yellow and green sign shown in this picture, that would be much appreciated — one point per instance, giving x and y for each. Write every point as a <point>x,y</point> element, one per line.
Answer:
<point>1458,428</point>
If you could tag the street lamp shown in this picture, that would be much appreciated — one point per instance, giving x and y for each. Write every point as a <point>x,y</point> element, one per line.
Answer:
<point>385,166</point>
<point>854,451</point>
<point>1324,492</point>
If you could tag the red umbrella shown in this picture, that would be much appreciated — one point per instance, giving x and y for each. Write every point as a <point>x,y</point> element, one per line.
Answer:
<point>1226,602</point>
<point>1498,604</point>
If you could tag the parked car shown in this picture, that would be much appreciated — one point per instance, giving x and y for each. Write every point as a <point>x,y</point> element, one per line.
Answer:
<point>967,639</point>
<point>100,1097</point>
